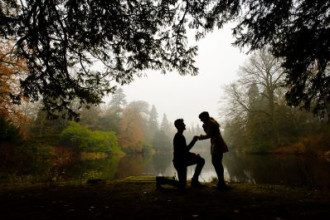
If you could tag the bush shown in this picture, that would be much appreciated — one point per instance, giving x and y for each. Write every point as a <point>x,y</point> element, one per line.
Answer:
<point>85,140</point>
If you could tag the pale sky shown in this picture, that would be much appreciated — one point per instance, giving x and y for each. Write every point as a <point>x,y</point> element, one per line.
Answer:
<point>186,96</point>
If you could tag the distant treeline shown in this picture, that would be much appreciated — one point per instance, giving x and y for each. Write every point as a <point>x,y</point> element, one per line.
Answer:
<point>107,131</point>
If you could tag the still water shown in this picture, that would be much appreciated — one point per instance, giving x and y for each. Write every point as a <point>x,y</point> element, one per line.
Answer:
<point>258,169</point>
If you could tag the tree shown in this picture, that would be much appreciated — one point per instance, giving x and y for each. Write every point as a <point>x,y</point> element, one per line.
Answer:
<point>90,117</point>
<point>133,126</point>
<point>162,141</point>
<point>152,123</point>
<point>118,101</point>
<point>10,70</point>
<point>259,118</point>
<point>235,133</point>
<point>166,126</point>
<point>46,130</point>
<point>62,40</point>
<point>254,98</point>
<point>85,140</point>
<point>297,31</point>
<point>263,70</point>
<point>111,118</point>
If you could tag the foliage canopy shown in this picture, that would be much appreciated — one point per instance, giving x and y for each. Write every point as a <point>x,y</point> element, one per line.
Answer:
<point>61,40</point>
<point>298,31</point>
<point>10,70</point>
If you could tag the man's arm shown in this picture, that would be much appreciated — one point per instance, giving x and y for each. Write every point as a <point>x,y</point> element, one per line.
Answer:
<point>192,143</point>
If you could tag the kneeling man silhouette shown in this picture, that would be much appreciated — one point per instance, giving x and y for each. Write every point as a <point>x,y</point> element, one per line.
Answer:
<point>182,158</point>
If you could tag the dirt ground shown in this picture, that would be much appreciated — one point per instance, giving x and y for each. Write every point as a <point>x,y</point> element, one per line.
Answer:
<point>138,198</point>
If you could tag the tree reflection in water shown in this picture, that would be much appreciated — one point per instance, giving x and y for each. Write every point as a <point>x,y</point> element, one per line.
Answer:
<point>130,166</point>
<point>260,169</point>
<point>278,169</point>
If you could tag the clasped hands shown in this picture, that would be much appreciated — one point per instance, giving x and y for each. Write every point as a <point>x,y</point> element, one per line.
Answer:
<point>196,138</point>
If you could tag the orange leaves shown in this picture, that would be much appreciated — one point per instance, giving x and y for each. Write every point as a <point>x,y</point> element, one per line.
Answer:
<point>12,69</point>
<point>132,127</point>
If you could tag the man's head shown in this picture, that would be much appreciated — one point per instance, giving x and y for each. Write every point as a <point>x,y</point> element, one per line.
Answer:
<point>204,116</point>
<point>179,124</point>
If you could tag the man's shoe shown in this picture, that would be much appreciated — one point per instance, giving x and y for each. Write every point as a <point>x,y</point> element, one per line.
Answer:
<point>196,184</point>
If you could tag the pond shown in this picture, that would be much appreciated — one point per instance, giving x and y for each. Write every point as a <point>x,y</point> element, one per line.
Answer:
<point>288,170</point>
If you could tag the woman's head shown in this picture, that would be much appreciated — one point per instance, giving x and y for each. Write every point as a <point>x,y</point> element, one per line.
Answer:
<point>204,116</point>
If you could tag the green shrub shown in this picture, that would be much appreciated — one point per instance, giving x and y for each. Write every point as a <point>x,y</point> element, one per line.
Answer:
<point>85,140</point>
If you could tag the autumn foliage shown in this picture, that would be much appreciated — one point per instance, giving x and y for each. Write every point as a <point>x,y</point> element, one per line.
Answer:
<point>12,69</point>
<point>132,136</point>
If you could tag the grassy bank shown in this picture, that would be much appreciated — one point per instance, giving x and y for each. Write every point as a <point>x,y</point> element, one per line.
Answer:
<point>137,198</point>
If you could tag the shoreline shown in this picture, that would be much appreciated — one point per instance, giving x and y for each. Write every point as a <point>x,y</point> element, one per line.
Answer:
<point>137,198</point>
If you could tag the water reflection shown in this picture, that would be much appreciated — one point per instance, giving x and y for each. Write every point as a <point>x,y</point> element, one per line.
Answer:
<point>278,169</point>
<point>261,169</point>
<point>130,166</point>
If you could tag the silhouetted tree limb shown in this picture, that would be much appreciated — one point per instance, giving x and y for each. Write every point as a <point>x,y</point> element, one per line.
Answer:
<point>61,40</point>
<point>80,49</point>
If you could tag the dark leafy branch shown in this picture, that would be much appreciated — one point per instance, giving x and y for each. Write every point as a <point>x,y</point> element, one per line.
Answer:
<point>64,40</point>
